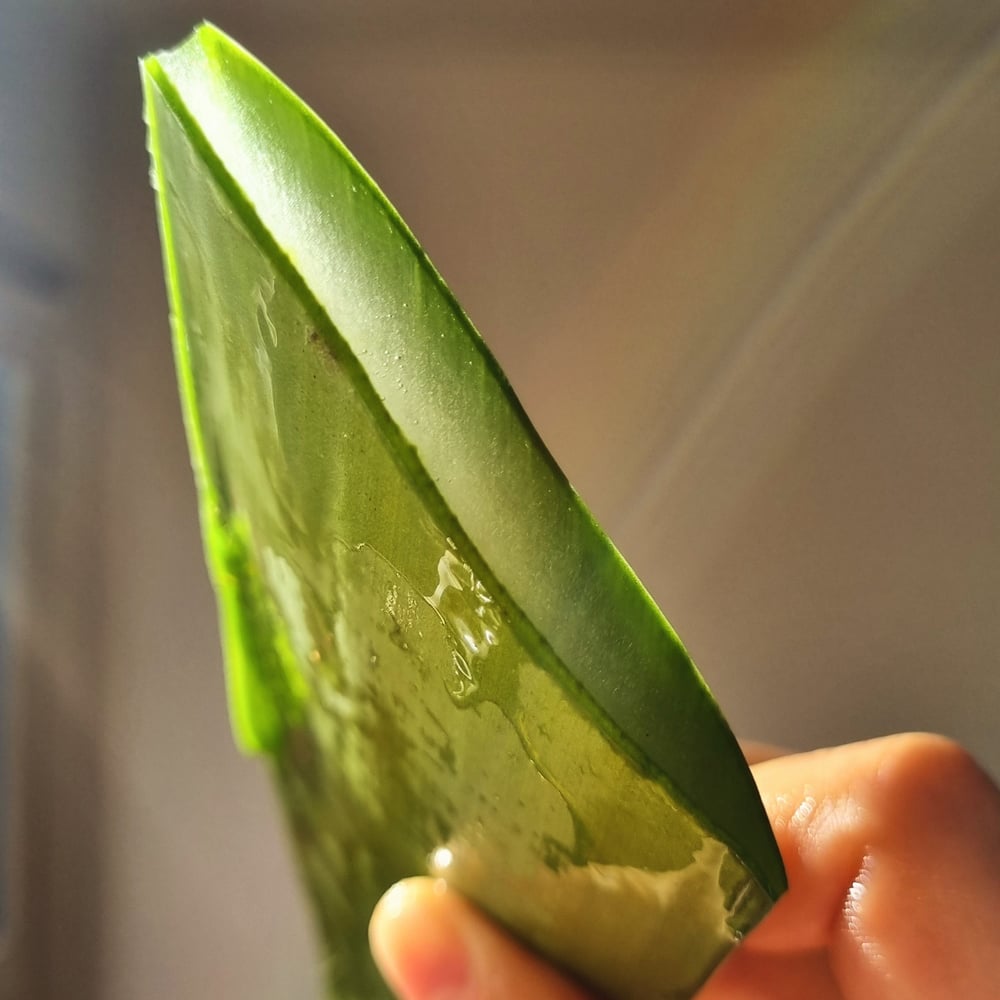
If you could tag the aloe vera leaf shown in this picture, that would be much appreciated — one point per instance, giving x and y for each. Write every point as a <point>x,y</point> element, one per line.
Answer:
<point>446,661</point>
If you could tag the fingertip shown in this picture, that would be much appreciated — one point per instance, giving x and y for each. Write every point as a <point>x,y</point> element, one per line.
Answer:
<point>430,944</point>
<point>417,944</point>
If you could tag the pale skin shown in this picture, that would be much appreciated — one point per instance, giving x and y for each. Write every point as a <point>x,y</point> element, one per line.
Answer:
<point>893,855</point>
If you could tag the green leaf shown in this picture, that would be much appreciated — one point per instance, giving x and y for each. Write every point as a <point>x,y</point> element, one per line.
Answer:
<point>450,667</point>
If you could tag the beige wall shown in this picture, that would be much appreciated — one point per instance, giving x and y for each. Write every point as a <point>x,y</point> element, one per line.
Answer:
<point>743,275</point>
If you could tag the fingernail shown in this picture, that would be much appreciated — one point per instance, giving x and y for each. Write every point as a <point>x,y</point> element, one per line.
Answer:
<point>416,945</point>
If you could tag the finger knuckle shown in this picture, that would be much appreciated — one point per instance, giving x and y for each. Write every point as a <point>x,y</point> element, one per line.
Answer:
<point>923,773</point>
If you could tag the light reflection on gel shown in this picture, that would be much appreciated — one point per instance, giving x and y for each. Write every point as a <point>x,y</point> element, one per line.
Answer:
<point>467,610</point>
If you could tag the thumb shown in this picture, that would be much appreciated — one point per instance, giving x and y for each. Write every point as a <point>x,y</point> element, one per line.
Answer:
<point>430,944</point>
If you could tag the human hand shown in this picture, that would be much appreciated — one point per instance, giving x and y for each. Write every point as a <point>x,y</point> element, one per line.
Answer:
<point>893,855</point>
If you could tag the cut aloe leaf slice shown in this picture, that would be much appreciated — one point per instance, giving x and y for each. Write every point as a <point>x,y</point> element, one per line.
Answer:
<point>450,667</point>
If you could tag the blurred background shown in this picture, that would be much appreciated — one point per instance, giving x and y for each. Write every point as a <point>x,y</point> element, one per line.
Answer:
<point>741,264</point>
